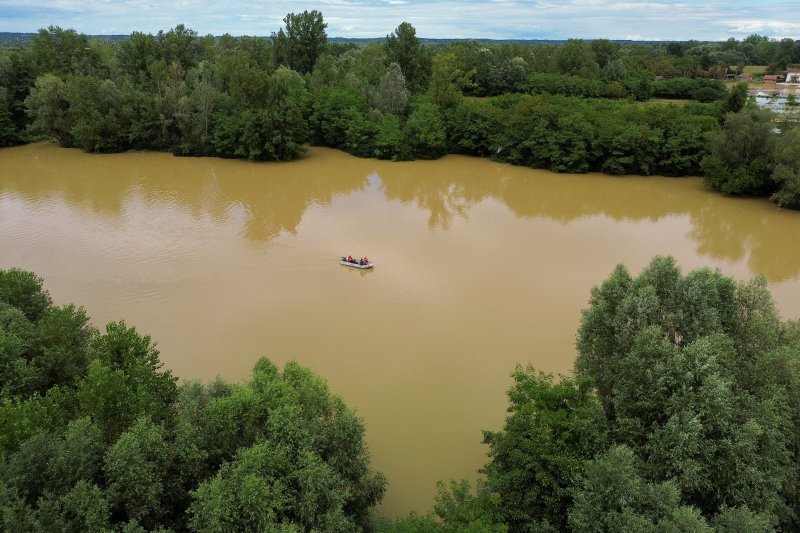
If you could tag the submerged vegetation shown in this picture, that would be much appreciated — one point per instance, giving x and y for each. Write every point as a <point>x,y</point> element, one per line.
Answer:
<point>569,107</point>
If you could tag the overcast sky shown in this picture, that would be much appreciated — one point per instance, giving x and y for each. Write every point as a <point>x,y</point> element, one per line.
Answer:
<point>493,19</point>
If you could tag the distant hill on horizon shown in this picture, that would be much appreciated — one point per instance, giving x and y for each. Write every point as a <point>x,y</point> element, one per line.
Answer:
<point>16,38</point>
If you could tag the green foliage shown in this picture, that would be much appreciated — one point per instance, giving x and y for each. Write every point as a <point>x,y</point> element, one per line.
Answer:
<point>391,95</point>
<point>741,155</point>
<point>389,139</point>
<point>736,98</point>
<point>673,358</point>
<point>473,127</point>
<point>575,57</point>
<point>60,52</point>
<point>787,169</point>
<point>40,345</point>
<point>540,133</point>
<point>632,149</point>
<point>301,459</point>
<point>179,46</point>
<point>273,131</point>
<point>302,42</point>
<point>537,458</point>
<point>135,467</point>
<point>613,497</point>
<point>404,48</point>
<point>97,437</point>
<point>60,348</point>
<point>700,89</point>
<point>85,508</point>
<point>334,108</point>
<point>457,509</point>
<point>743,520</point>
<point>123,381</point>
<point>412,523</point>
<point>8,131</point>
<point>605,51</point>
<point>565,85</point>
<point>23,290</point>
<point>48,107</point>
<point>425,133</point>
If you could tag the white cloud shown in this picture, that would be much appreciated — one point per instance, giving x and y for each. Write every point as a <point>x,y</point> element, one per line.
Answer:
<point>499,19</point>
<point>771,26</point>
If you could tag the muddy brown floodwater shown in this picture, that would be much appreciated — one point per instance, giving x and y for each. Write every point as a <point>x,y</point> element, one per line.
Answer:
<point>478,267</point>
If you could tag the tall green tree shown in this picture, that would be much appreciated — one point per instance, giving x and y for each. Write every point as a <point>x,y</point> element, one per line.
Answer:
<point>135,466</point>
<point>404,48</point>
<point>60,51</point>
<point>48,108</point>
<point>552,429</point>
<point>674,359</point>
<point>447,80</point>
<point>305,465</point>
<point>613,497</point>
<point>134,55</point>
<point>787,169</point>
<point>576,57</point>
<point>424,131</point>
<point>741,158</point>
<point>8,132</point>
<point>604,51</point>
<point>303,41</point>
<point>391,96</point>
<point>180,45</point>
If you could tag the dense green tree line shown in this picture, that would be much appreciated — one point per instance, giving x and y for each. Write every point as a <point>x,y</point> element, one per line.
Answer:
<point>682,415</point>
<point>96,436</point>
<point>749,156</point>
<point>568,108</point>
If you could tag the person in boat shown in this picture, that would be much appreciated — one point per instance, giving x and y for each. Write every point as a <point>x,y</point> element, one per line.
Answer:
<point>365,261</point>
<point>350,259</point>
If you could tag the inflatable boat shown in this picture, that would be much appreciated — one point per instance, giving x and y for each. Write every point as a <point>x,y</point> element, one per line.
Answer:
<point>355,263</point>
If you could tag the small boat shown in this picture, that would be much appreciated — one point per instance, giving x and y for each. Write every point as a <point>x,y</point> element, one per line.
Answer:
<point>354,263</point>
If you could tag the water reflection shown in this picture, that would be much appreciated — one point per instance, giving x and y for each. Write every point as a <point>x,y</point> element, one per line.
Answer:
<point>224,261</point>
<point>273,197</point>
<point>724,228</point>
<point>784,100</point>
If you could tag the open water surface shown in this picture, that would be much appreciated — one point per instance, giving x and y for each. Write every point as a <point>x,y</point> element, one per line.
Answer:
<point>479,266</point>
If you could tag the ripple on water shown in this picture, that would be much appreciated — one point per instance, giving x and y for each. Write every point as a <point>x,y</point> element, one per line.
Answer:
<point>225,261</point>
